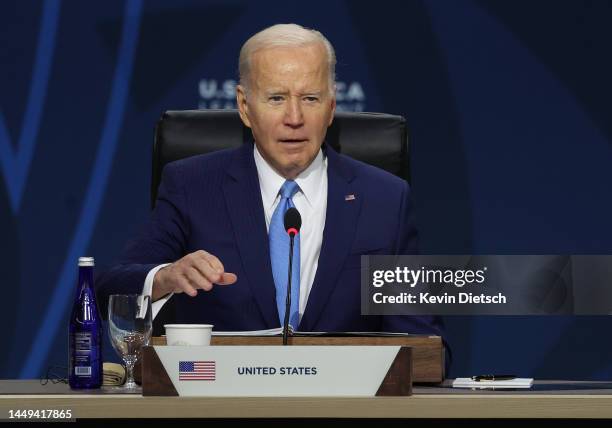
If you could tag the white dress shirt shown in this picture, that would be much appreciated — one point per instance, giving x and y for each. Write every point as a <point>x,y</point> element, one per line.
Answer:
<point>310,200</point>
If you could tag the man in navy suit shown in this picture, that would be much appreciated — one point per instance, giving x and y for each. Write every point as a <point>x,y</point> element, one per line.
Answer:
<point>216,222</point>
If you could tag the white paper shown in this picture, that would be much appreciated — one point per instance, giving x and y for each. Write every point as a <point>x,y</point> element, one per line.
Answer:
<point>519,382</point>
<point>279,332</point>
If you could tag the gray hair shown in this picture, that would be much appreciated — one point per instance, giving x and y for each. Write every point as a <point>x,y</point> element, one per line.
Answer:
<point>284,35</point>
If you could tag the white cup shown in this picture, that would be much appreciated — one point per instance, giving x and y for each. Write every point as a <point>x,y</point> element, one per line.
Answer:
<point>188,334</point>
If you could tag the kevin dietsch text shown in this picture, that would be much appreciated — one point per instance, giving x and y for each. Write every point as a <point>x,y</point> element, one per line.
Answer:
<point>434,279</point>
<point>428,298</point>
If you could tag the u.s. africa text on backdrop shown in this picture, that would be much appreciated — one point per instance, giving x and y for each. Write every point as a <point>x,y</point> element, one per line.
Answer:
<point>486,285</point>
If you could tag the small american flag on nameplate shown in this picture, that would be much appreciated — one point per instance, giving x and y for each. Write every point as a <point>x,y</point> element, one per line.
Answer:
<point>197,370</point>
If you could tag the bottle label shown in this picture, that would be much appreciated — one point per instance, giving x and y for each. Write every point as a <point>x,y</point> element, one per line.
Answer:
<point>82,371</point>
<point>82,354</point>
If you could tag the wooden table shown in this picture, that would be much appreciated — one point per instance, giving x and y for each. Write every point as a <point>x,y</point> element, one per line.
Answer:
<point>427,402</point>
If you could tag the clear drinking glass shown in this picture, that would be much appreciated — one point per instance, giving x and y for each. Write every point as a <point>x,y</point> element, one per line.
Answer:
<point>130,326</point>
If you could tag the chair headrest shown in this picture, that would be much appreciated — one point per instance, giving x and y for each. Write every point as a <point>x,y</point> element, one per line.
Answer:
<point>375,138</point>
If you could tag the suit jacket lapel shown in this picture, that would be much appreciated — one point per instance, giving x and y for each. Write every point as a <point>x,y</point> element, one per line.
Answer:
<point>243,198</point>
<point>340,225</point>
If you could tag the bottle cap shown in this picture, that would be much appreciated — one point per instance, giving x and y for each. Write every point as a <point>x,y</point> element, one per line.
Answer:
<point>86,261</point>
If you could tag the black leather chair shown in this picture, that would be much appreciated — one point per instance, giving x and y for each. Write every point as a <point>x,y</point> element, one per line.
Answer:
<point>375,138</point>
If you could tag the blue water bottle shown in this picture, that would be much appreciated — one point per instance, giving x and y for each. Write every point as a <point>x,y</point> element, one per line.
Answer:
<point>85,334</point>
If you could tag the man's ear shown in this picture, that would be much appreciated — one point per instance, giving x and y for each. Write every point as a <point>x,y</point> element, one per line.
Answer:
<point>243,108</point>
<point>333,110</point>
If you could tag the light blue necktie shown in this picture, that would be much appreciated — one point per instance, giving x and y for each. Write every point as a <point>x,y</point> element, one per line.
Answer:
<point>279,256</point>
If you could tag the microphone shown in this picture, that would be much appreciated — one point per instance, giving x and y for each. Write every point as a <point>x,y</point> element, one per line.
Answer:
<point>293,222</point>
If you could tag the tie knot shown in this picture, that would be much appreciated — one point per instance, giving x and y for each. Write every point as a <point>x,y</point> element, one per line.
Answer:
<point>289,189</point>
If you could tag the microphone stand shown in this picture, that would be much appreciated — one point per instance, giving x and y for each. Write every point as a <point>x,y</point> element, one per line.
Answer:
<point>288,300</point>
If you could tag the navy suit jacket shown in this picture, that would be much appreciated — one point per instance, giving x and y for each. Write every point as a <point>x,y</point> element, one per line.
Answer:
<point>213,202</point>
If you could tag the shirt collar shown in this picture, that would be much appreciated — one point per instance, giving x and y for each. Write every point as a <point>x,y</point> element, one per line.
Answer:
<point>271,181</point>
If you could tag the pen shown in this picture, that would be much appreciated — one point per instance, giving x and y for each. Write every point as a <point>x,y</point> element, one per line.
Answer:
<point>493,377</point>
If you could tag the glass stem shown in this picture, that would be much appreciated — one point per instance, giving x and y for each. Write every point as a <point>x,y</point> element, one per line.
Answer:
<point>129,365</point>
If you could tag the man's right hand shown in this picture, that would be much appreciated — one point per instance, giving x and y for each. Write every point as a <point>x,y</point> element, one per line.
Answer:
<point>197,270</point>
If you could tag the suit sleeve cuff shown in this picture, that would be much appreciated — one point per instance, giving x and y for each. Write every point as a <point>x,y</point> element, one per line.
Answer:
<point>147,290</point>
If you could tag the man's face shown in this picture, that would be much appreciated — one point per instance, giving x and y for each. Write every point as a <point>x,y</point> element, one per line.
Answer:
<point>289,105</point>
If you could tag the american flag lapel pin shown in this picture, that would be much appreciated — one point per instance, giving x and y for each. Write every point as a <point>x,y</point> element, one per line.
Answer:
<point>350,197</point>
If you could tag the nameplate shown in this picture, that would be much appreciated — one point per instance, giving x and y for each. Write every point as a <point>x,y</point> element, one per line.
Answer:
<point>282,371</point>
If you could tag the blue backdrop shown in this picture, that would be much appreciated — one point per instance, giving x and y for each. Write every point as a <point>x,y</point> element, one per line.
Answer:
<point>508,105</point>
